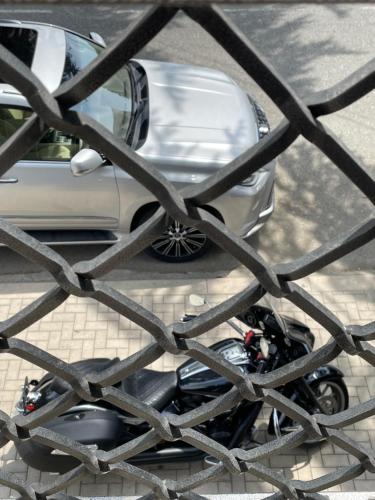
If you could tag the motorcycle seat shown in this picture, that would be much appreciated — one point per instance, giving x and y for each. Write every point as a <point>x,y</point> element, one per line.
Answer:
<point>154,388</point>
<point>85,366</point>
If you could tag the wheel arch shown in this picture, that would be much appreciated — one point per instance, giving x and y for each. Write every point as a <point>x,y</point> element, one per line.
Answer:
<point>155,205</point>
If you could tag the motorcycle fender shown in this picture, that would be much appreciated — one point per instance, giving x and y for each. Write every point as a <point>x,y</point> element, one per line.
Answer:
<point>322,372</point>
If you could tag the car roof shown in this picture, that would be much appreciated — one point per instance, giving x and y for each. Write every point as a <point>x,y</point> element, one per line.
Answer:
<point>21,22</point>
<point>51,47</point>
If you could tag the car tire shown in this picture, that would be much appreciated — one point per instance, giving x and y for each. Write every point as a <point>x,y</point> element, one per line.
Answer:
<point>178,244</point>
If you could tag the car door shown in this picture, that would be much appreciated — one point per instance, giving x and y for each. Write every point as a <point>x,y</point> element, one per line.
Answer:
<point>40,192</point>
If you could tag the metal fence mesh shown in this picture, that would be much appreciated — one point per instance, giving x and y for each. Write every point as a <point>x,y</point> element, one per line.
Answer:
<point>82,279</point>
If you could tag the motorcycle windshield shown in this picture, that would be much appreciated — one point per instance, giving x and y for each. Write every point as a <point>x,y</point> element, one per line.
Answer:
<point>275,304</point>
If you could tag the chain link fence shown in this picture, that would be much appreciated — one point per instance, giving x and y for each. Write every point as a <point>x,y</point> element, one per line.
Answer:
<point>300,118</point>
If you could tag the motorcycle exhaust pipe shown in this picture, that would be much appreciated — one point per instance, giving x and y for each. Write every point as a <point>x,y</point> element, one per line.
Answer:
<point>168,455</point>
<point>210,460</point>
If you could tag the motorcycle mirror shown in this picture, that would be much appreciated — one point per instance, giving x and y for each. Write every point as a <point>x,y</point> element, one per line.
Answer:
<point>196,300</point>
<point>210,460</point>
<point>272,304</point>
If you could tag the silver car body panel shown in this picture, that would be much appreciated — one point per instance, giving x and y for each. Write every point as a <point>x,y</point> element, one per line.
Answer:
<point>199,121</point>
<point>47,196</point>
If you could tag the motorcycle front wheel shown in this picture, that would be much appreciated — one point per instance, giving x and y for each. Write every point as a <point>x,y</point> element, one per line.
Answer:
<point>332,395</point>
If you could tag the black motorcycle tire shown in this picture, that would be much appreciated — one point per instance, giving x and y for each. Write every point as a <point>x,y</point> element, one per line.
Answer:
<point>42,458</point>
<point>341,391</point>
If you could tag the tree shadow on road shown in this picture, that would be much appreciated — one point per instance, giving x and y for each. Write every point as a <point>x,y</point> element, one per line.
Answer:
<point>315,202</point>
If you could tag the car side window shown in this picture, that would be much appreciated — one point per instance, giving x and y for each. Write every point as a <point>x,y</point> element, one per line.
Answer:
<point>20,41</point>
<point>54,145</point>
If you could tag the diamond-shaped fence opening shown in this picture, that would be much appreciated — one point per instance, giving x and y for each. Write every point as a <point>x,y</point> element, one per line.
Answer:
<point>300,118</point>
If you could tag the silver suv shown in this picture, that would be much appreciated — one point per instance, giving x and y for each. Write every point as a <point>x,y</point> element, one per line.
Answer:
<point>188,121</point>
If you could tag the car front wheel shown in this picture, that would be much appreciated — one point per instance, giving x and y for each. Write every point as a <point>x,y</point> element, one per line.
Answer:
<point>178,243</point>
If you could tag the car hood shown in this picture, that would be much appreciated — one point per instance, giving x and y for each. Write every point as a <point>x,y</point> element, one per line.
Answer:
<point>196,115</point>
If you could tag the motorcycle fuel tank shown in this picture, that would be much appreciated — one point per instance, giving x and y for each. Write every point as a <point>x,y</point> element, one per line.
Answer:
<point>196,378</point>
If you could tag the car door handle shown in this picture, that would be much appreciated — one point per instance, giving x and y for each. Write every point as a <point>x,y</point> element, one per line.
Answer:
<point>8,180</point>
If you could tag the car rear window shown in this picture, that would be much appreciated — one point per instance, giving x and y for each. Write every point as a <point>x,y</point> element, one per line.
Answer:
<point>20,41</point>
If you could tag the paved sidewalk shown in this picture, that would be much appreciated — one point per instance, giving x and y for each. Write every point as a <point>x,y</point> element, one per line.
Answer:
<point>83,328</point>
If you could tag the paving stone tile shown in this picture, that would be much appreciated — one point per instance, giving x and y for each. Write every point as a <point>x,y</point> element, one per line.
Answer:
<point>115,489</point>
<point>279,461</point>
<point>335,460</point>
<point>360,485</point>
<point>371,385</point>
<point>94,490</point>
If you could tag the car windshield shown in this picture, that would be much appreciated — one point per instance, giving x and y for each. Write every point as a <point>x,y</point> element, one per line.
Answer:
<point>111,105</point>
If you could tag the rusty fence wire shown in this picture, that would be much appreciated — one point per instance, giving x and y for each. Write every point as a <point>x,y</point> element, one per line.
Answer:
<point>300,118</point>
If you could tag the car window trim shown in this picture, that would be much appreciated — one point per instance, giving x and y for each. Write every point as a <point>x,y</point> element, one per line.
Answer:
<point>44,161</point>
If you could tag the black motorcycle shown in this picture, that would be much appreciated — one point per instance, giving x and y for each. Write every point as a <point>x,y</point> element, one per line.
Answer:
<point>269,342</point>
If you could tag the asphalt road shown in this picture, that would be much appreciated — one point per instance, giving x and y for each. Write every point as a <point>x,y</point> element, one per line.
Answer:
<point>313,47</point>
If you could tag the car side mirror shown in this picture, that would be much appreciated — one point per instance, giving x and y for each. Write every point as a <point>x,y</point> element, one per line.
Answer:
<point>85,161</point>
<point>95,37</point>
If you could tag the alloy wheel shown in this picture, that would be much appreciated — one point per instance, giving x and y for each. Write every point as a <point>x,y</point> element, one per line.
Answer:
<point>179,242</point>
